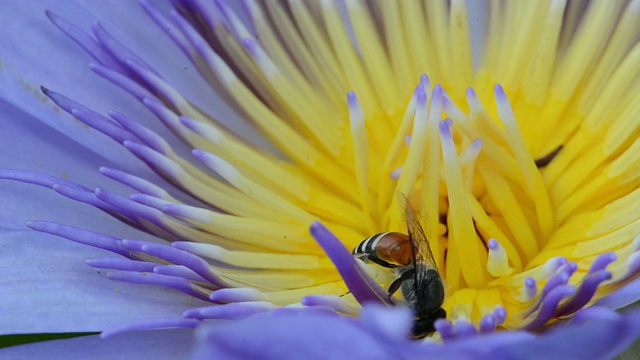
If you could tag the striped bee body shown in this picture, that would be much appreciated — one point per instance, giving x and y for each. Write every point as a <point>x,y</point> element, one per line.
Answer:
<point>411,259</point>
<point>389,249</point>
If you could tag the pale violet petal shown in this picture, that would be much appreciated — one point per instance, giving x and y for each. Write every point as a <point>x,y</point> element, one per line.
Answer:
<point>49,288</point>
<point>157,345</point>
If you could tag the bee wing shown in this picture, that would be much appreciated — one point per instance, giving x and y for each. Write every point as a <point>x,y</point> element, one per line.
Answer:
<point>420,248</point>
<point>423,259</point>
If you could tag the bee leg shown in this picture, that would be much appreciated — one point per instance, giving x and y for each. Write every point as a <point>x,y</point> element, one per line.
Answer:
<point>395,285</point>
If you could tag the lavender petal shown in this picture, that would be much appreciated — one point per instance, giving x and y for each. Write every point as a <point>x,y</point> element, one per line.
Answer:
<point>361,285</point>
<point>48,272</point>
<point>154,344</point>
<point>154,324</point>
<point>278,335</point>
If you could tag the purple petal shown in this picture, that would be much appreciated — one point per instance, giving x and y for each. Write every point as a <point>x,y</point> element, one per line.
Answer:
<point>24,147</point>
<point>595,333</point>
<point>312,334</point>
<point>24,71</point>
<point>361,285</point>
<point>393,324</point>
<point>622,297</point>
<point>308,336</point>
<point>66,67</point>
<point>599,335</point>
<point>464,329</point>
<point>153,324</point>
<point>158,344</point>
<point>86,41</point>
<point>49,288</point>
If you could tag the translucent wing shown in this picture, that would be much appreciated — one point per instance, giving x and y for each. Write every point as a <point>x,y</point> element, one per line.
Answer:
<point>423,259</point>
<point>421,250</point>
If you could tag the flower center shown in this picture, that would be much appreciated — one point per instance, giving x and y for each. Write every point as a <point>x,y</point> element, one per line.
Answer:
<point>486,208</point>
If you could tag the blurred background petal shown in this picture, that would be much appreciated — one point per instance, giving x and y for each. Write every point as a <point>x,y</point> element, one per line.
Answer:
<point>160,344</point>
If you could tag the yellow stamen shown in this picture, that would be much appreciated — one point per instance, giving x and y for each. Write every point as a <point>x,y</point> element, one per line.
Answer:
<point>499,222</point>
<point>466,239</point>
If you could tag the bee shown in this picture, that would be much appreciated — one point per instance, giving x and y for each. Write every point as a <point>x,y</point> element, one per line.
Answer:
<point>411,259</point>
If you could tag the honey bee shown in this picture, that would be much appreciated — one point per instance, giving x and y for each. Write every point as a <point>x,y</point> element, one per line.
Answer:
<point>412,261</point>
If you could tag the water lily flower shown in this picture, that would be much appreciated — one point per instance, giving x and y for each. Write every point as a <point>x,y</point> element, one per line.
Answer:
<point>221,159</point>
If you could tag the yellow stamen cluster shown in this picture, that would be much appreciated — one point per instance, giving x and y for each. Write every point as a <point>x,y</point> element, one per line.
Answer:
<point>570,74</point>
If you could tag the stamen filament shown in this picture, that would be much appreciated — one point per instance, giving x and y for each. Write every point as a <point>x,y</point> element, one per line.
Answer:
<point>533,180</point>
<point>374,58</point>
<point>361,157</point>
<point>251,189</point>
<point>431,178</point>
<point>395,150</point>
<point>255,260</point>
<point>498,262</point>
<point>413,161</point>
<point>465,237</point>
<point>348,59</point>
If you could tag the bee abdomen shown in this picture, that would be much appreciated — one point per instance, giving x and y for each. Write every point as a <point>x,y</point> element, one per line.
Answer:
<point>368,245</point>
<point>389,249</point>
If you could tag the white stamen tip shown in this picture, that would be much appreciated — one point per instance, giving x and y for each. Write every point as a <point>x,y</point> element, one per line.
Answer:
<point>552,265</point>
<point>356,114</point>
<point>471,94</point>
<point>352,99</point>
<point>636,243</point>
<point>422,98</point>
<point>529,289</point>
<point>499,93</point>
<point>395,174</point>
<point>498,262</point>
<point>425,82</point>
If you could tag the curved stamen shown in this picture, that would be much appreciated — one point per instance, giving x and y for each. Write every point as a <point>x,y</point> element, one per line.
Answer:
<point>173,282</point>
<point>497,261</point>
<point>223,296</point>
<point>548,306</point>
<point>179,271</point>
<point>330,301</point>
<point>122,264</point>
<point>229,311</point>
<point>101,241</point>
